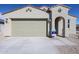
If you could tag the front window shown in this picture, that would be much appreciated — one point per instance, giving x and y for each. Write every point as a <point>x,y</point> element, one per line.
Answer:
<point>68,23</point>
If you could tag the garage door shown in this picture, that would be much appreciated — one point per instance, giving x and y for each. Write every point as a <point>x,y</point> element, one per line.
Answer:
<point>24,27</point>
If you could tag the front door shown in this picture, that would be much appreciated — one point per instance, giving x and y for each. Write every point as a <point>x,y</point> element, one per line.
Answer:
<point>60,26</point>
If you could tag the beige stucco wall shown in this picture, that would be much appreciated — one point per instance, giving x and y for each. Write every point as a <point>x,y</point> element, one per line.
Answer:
<point>64,9</point>
<point>64,14</point>
<point>72,29</point>
<point>21,13</point>
<point>7,28</point>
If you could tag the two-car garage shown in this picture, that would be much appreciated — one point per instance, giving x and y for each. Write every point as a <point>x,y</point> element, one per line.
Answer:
<point>26,22</point>
<point>29,27</point>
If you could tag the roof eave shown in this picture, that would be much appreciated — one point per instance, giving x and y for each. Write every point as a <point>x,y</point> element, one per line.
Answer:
<point>23,7</point>
<point>62,6</point>
<point>73,16</point>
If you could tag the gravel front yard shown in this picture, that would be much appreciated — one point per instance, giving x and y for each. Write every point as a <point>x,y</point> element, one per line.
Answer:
<point>38,45</point>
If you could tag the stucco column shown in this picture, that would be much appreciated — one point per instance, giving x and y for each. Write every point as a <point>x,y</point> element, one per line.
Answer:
<point>53,25</point>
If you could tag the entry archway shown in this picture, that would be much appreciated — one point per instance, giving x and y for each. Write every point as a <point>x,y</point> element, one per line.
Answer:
<point>60,26</point>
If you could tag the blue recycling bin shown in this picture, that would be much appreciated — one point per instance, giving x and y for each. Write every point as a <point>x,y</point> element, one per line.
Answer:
<point>53,34</point>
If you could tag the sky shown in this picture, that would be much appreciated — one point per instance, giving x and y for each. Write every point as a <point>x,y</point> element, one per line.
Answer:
<point>8,7</point>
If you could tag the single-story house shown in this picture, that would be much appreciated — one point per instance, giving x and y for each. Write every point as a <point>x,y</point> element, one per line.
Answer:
<point>39,22</point>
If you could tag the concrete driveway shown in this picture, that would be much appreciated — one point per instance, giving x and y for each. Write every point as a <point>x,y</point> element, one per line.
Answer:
<point>37,45</point>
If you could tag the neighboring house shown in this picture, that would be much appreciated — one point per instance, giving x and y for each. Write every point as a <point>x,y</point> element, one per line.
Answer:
<point>39,22</point>
<point>77,27</point>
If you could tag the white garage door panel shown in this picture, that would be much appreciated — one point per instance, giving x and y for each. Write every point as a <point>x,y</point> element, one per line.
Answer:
<point>28,28</point>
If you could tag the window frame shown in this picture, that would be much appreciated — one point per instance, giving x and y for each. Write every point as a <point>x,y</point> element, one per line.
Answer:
<point>68,23</point>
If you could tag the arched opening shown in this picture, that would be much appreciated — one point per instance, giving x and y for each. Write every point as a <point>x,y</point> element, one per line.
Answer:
<point>60,26</point>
